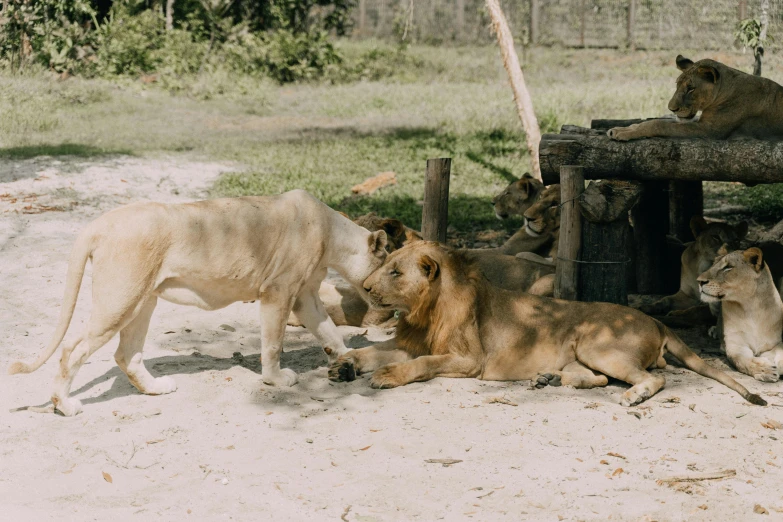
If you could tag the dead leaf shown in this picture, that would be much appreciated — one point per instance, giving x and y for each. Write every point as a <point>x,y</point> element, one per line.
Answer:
<point>635,414</point>
<point>592,405</point>
<point>604,462</point>
<point>675,400</point>
<point>618,471</point>
<point>375,431</point>
<point>107,477</point>
<point>445,462</point>
<point>772,425</point>
<point>155,441</point>
<point>365,448</point>
<point>692,407</point>
<point>760,510</point>
<point>66,472</point>
<point>501,400</point>
<point>612,454</point>
<point>703,507</point>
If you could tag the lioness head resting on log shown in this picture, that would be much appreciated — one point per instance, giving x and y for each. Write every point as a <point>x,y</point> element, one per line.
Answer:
<point>543,216</point>
<point>517,197</point>
<point>456,324</point>
<point>751,309</point>
<point>713,100</point>
<point>697,257</point>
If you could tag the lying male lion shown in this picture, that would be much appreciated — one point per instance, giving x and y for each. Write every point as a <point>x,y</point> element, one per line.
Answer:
<point>752,311</point>
<point>698,256</point>
<point>713,100</point>
<point>458,325</point>
<point>517,197</point>
<point>207,254</point>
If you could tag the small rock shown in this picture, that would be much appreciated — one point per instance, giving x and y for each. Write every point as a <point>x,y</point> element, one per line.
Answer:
<point>224,481</point>
<point>227,328</point>
<point>758,509</point>
<point>309,441</point>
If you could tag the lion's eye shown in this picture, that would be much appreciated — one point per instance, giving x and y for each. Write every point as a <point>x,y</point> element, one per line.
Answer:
<point>726,269</point>
<point>689,90</point>
<point>394,272</point>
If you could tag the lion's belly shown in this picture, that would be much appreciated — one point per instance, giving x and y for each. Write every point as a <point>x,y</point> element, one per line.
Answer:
<point>205,295</point>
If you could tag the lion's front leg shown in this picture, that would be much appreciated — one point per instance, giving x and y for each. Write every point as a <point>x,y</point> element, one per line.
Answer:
<point>760,368</point>
<point>663,128</point>
<point>423,369</point>
<point>363,360</point>
<point>309,309</point>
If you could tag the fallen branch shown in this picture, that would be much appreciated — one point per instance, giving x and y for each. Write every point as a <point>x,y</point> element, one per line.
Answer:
<point>696,477</point>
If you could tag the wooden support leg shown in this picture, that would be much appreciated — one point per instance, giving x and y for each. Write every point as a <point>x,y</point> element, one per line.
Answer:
<point>572,184</point>
<point>650,226</point>
<point>435,212</point>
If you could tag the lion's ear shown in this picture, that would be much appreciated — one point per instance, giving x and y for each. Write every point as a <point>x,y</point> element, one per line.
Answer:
<point>708,72</point>
<point>698,224</point>
<point>393,227</point>
<point>723,250</point>
<point>378,242</point>
<point>523,186</point>
<point>741,229</point>
<point>754,257</point>
<point>683,63</point>
<point>429,267</point>
<point>527,175</point>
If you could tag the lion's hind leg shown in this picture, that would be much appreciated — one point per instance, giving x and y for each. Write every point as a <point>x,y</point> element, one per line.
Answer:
<point>618,365</point>
<point>129,354</point>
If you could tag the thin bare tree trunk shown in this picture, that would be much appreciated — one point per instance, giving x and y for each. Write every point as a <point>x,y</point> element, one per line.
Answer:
<point>169,15</point>
<point>517,80</point>
<point>759,51</point>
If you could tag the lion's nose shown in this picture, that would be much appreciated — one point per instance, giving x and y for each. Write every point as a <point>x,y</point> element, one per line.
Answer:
<point>702,282</point>
<point>673,106</point>
<point>367,287</point>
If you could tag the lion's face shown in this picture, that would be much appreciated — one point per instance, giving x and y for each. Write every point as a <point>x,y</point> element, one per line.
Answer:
<point>368,257</point>
<point>544,215</point>
<point>397,233</point>
<point>407,276</point>
<point>517,197</point>
<point>696,87</point>
<point>733,276</point>
<point>710,237</point>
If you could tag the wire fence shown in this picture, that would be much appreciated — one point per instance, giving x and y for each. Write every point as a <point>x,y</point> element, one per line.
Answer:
<point>649,24</point>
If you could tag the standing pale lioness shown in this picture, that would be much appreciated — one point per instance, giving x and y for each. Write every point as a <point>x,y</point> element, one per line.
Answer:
<point>207,254</point>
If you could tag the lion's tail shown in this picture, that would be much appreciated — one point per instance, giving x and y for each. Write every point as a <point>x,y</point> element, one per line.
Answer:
<point>81,252</point>
<point>679,349</point>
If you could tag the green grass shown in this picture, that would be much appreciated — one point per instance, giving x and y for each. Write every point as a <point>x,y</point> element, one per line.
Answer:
<point>326,137</point>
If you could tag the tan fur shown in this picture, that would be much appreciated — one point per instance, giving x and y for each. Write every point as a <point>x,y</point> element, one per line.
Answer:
<point>698,257</point>
<point>542,227</point>
<point>751,309</point>
<point>456,324</point>
<point>517,197</point>
<point>713,100</point>
<point>207,254</point>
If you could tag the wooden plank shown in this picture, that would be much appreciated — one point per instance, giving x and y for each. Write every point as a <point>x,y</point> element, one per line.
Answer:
<point>567,267</point>
<point>435,212</point>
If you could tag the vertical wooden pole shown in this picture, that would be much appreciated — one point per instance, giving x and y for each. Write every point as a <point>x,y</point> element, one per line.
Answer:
<point>582,22</point>
<point>631,24</point>
<point>742,10</point>
<point>686,199</point>
<point>460,19</point>
<point>435,213</point>
<point>362,17</point>
<point>572,184</point>
<point>534,16</point>
<point>169,15</point>
<point>650,225</point>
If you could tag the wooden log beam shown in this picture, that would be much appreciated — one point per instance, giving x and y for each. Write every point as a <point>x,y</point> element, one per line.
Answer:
<point>748,160</point>
<point>435,212</point>
<point>570,242</point>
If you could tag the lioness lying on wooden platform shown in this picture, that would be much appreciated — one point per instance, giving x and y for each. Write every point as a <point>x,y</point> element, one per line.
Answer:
<point>207,254</point>
<point>713,100</point>
<point>456,324</point>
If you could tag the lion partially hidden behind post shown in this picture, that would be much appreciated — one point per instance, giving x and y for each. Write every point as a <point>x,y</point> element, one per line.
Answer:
<point>455,324</point>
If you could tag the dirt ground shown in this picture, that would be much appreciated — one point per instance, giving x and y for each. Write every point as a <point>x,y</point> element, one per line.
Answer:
<point>227,447</point>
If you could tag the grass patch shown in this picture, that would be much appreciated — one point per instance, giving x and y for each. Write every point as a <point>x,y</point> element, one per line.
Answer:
<point>391,113</point>
<point>62,149</point>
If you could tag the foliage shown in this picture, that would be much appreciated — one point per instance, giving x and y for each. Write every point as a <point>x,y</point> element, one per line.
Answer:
<point>748,33</point>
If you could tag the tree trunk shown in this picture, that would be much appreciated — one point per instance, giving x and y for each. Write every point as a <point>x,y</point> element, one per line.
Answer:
<point>517,80</point>
<point>169,15</point>
<point>654,159</point>
<point>759,51</point>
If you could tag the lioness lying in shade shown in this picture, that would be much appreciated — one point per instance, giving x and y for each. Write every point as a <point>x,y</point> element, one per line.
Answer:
<point>456,324</point>
<point>713,100</point>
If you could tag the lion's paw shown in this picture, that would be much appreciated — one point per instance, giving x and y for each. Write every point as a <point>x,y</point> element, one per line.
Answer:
<point>284,377</point>
<point>343,369</point>
<point>619,134</point>
<point>162,386</point>
<point>68,406</point>
<point>764,371</point>
<point>547,379</point>
<point>714,332</point>
<point>386,377</point>
<point>633,397</point>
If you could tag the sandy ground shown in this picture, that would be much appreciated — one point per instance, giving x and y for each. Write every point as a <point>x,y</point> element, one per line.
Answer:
<point>227,447</point>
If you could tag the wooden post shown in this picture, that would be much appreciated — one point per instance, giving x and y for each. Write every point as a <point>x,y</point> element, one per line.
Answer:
<point>169,15</point>
<point>631,23</point>
<point>435,213</point>
<point>742,10</point>
<point>460,25</point>
<point>605,233</point>
<point>650,225</point>
<point>362,17</point>
<point>534,16</point>
<point>572,184</point>
<point>582,22</point>
<point>686,199</point>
